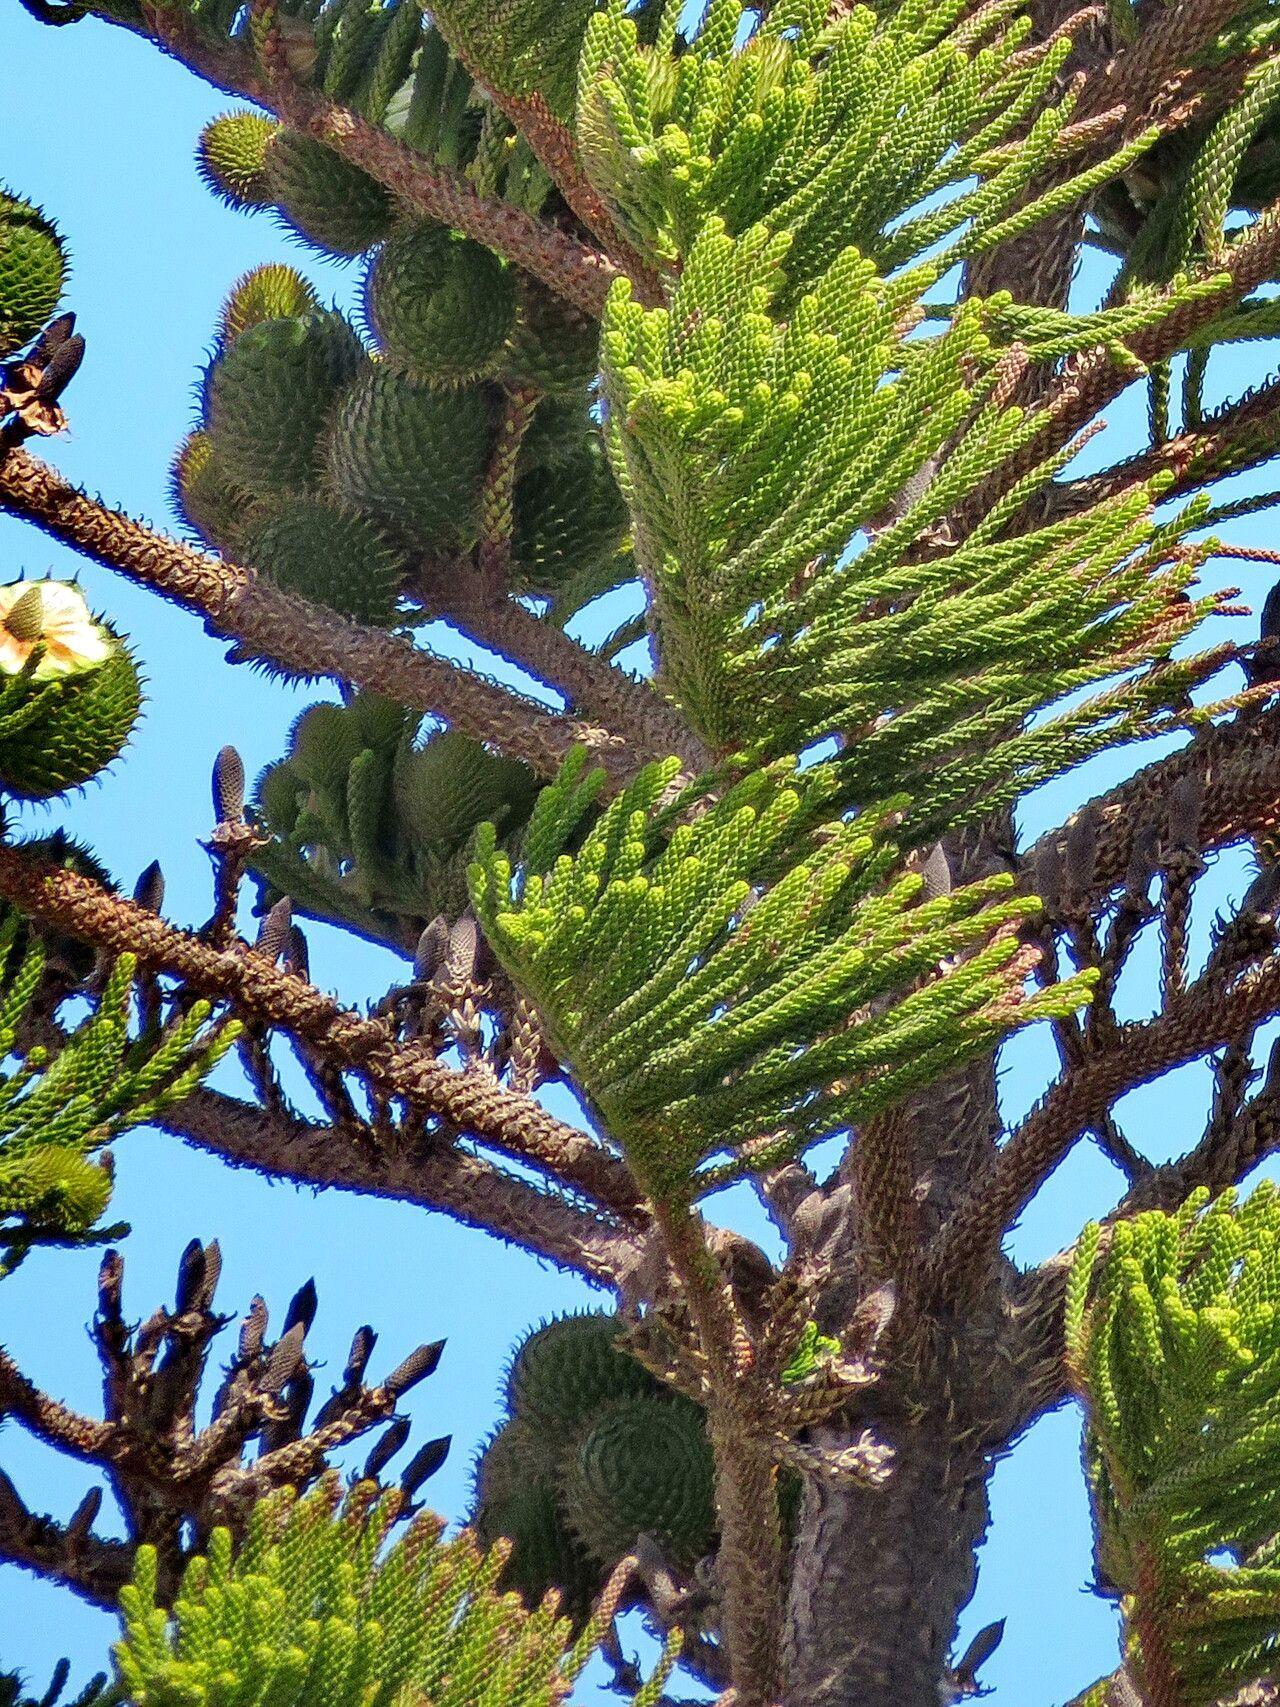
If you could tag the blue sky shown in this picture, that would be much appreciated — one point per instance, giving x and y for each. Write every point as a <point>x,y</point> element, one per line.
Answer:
<point>105,141</point>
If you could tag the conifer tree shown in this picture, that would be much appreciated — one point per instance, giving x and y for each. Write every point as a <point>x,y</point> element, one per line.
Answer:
<point>768,314</point>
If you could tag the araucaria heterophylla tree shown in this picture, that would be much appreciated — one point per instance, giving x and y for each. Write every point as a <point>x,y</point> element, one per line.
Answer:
<point>765,313</point>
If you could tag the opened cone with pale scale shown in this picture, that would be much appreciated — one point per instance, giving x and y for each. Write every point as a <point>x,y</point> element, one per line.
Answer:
<point>69,690</point>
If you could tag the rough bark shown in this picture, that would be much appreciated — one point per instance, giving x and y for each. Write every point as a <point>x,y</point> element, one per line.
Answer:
<point>880,1575</point>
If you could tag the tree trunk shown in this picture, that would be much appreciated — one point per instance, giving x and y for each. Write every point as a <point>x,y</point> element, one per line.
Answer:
<point>881,1576</point>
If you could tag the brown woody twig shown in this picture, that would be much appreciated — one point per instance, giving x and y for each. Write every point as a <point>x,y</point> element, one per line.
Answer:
<point>301,636</point>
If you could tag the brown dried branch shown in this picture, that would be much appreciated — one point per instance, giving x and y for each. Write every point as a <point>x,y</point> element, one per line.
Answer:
<point>428,1171</point>
<point>1158,60</point>
<point>173,1479</point>
<point>882,1167</point>
<point>1213,1012</point>
<point>469,1101</point>
<point>94,1568</point>
<point>76,1435</point>
<point>301,636</point>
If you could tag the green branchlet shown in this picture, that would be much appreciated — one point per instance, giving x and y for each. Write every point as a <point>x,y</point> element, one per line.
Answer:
<point>718,985</point>
<point>317,1606</point>
<point>788,478</point>
<point>1173,1337</point>
<point>59,1110</point>
<point>33,271</point>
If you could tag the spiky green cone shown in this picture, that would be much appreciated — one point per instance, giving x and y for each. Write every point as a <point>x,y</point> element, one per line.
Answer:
<point>326,740</point>
<point>214,509</point>
<point>231,157</point>
<point>271,292</point>
<point>440,305</point>
<point>58,1190</point>
<point>332,204</point>
<point>516,1499</point>
<point>374,831</point>
<point>270,397</point>
<point>569,1367</point>
<point>560,430</point>
<point>328,555</point>
<point>33,271</point>
<point>642,1467</point>
<point>411,457</point>
<point>70,695</point>
<point>553,347</point>
<point>568,517</point>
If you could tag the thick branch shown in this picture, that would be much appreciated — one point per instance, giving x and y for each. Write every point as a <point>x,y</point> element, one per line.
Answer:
<point>749,1561</point>
<point>304,637</point>
<point>1155,64</point>
<point>1213,1012</point>
<point>470,1100</point>
<point>78,1436</point>
<point>435,1175</point>
<point>631,709</point>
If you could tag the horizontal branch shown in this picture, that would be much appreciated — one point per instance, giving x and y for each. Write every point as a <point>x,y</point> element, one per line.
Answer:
<point>1213,1011</point>
<point>470,1100</point>
<point>268,623</point>
<point>433,1174</point>
<point>57,1425</point>
<point>571,269</point>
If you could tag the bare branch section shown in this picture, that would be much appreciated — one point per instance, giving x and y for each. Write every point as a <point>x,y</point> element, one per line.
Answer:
<point>301,636</point>
<point>470,1100</point>
<point>1212,1013</point>
<point>629,708</point>
<point>429,1172</point>
<point>1224,1156</point>
<point>173,1476</point>
<point>1237,766</point>
<point>572,269</point>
